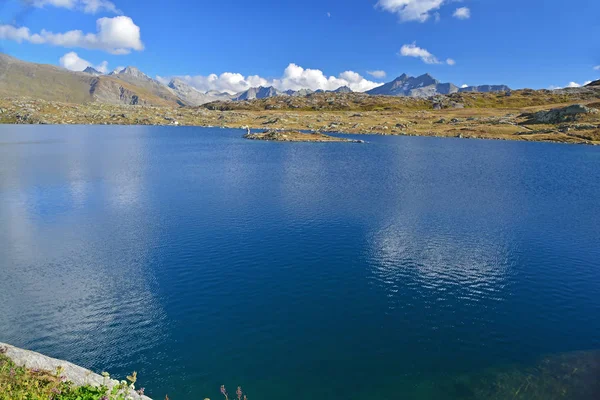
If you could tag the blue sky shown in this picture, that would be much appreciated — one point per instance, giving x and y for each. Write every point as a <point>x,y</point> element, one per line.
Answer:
<point>530,43</point>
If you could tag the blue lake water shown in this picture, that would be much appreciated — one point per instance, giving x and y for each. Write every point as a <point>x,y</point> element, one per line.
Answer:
<point>298,270</point>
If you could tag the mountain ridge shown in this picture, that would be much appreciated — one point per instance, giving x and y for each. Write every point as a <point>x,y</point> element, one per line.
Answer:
<point>130,85</point>
<point>426,86</point>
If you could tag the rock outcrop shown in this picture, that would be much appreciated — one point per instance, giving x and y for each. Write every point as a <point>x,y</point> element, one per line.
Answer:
<point>558,115</point>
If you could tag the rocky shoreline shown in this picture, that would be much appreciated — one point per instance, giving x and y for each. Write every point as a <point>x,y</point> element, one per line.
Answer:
<point>563,123</point>
<point>74,373</point>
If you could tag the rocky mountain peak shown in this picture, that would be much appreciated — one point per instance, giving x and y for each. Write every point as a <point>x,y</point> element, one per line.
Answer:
<point>343,89</point>
<point>178,84</point>
<point>92,70</point>
<point>134,73</point>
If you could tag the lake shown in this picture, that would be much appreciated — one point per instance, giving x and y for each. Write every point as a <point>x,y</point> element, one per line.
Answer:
<point>296,270</point>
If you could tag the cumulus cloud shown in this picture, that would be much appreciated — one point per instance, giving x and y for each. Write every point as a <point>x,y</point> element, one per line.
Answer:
<point>118,35</point>
<point>462,13</point>
<point>294,78</point>
<point>464,86</point>
<point>411,10</point>
<point>412,50</point>
<point>87,6</point>
<point>73,62</point>
<point>377,74</point>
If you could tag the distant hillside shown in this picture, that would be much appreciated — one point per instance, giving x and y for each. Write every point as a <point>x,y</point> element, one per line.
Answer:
<point>595,83</point>
<point>47,82</point>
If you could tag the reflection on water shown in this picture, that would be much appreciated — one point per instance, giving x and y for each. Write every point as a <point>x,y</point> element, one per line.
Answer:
<point>405,268</point>
<point>438,263</point>
<point>93,292</point>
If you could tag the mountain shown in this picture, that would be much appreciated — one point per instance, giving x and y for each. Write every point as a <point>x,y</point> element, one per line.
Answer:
<point>421,86</point>
<point>298,93</point>
<point>133,73</point>
<point>485,89</point>
<point>595,83</point>
<point>93,71</point>
<point>190,95</point>
<point>427,86</point>
<point>135,77</point>
<point>343,89</point>
<point>258,93</point>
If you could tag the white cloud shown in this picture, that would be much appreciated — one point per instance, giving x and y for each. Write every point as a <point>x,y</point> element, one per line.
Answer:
<point>377,74</point>
<point>73,62</point>
<point>573,85</point>
<point>294,78</point>
<point>462,13</point>
<point>118,35</point>
<point>464,86</point>
<point>597,68</point>
<point>587,83</point>
<point>87,6</point>
<point>411,10</point>
<point>412,50</point>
